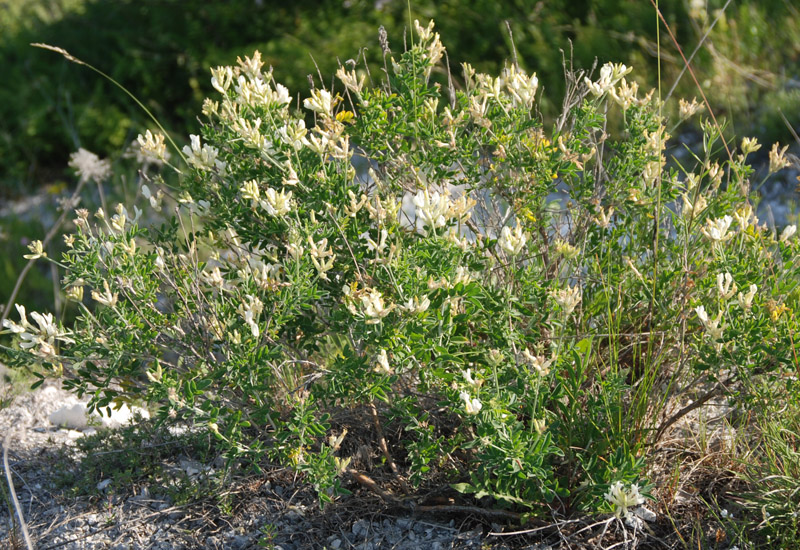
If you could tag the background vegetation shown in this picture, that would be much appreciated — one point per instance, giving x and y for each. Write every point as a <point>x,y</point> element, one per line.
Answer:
<point>161,50</point>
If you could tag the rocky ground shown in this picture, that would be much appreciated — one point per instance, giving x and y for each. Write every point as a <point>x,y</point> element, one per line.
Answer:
<point>68,509</point>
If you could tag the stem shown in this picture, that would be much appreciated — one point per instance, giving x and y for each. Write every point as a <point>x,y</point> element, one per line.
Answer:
<point>45,241</point>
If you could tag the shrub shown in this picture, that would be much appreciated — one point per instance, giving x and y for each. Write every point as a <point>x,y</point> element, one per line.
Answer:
<point>519,306</point>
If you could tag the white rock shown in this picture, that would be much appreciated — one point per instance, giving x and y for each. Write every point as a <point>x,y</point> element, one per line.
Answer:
<point>122,416</point>
<point>77,416</point>
<point>644,513</point>
<point>74,417</point>
<point>103,484</point>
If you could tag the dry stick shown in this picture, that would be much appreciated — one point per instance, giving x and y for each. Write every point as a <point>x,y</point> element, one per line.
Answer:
<point>382,442</point>
<point>691,72</point>
<point>17,507</point>
<point>689,408</point>
<point>47,239</point>
<point>367,482</point>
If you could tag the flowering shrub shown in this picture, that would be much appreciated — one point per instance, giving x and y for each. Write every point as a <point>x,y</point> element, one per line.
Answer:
<point>517,306</point>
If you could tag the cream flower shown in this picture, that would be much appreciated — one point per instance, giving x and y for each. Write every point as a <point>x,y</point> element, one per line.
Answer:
<point>777,158</point>
<point>37,251</point>
<point>787,233</point>
<point>537,362</point>
<point>321,101</point>
<point>622,498</point>
<point>512,241</point>
<point>350,80</point>
<point>415,305</point>
<point>746,300</point>
<point>106,298</point>
<point>750,145</point>
<point>152,147</point>
<point>373,307</point>
<point>382,364</point>
<point>277,203</point>
<point>202,157</point>
<point>687,109</point>
<point>471,405</point>
<point>432,209</point>
<point>567,298</point>
<point>717,230</point>
<point>726,287</point>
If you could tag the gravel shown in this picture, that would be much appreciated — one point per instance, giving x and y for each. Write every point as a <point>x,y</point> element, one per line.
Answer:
<point>279,512</point>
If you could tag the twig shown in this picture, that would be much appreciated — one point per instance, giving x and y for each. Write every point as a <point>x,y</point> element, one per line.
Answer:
<point>384,447</point>
<point>17,507</point>
<point>689,408</point>
<point>366,481</point>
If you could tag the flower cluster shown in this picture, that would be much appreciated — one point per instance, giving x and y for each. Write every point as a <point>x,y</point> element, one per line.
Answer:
<point>39,339</point>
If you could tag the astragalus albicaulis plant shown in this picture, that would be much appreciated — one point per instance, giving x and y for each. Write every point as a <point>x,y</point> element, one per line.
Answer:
<point>520,307</point>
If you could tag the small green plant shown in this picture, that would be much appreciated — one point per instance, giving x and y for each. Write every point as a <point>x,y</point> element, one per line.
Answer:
<point>519,302</point>
<point>140,457</point>
<point>770,467</point>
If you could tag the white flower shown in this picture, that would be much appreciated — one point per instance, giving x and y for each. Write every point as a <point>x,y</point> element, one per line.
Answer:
<point>277,203</point>
<point>701,313</point>
<point>321,257</point>
<point>469,379</point>
<point>321,101</point>
<point>414,305</point>
<point>355,204</point>
<point>521,87</point>
<point>294,134</point>
<point>622,498</point>
<point>250,310</point>
<point>106,298</point>
<point>512,241</point>
<point>471,405</point>
<point>604,217</point>
<point>250,191</point>
<point>221,79</point>
<point>213,278</point>
<point>119,219</point>
<point>625,95</point>
<point>251,66</point>
<point>89,166</point>
<point>373,307</point>
<point>567,298</point>
<point>75,292</point>
<point>373,246</point>
<point>155,200</point>
<point>687,110</point>
<point>40,340</point>
<point>350,80</point>
<point>711,325</point>
<point>432,209</point>
<point>152,147</point>
<point>37,251</point>
<point>788,233</point>
<point>610,74</point>
<point>15,328</point>
<point>691,210</point>
<point>746,300</point>
<point>383,363</point>
<point>777,158</point>
<point>202,157</point>
<point>750,145</point>
<point>717,230</point>
<point>538,362</point>
<point>725,285</point>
